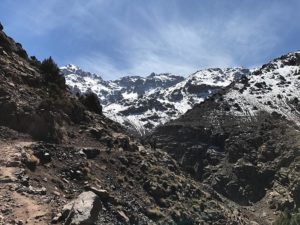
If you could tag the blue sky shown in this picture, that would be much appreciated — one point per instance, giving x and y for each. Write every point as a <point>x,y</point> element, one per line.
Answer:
<point>136,37</point>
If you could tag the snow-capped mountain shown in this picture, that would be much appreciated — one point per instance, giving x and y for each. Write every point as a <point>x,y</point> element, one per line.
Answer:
<point>273,88</point>
<point>143,103</point>
<point>244,140</point>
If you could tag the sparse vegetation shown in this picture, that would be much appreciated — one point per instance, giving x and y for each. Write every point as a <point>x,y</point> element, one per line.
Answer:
<point>52,73</point>
<point>91,101</point>
<point>34,61</point>
<point>288,218</point>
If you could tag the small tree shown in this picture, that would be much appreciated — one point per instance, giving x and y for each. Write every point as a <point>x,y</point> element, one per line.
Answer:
<point>91,101</point>
<point>49,67</point>
<point>52,73</point>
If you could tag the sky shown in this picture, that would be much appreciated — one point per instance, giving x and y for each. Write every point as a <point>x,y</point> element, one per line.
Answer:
<point>117,38</point>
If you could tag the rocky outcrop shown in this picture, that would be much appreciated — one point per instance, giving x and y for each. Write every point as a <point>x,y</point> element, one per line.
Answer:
<point>8,44</point>
<point>83,210</point>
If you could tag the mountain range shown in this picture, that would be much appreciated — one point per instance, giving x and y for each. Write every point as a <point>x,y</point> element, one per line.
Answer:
<point>222,145</point>
<point>143,103</point>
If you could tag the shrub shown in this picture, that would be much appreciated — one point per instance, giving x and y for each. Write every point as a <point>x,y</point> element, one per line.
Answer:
<point>70,106</point>
<point>52,73</point>
<point>91,101</point>
<point>34,61</point>
<point>21,52</point>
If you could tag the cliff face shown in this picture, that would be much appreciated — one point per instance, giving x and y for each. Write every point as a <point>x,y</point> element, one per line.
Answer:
<point>244,141</point>
<point>58,149</point>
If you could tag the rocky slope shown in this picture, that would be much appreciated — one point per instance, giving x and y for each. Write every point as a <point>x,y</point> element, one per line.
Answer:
<point>143,103</point>
<point>64,162</point>
<point>244,141</point>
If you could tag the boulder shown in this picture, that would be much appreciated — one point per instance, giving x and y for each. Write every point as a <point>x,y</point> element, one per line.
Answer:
<point>83,210</point>
<point>101,193</point>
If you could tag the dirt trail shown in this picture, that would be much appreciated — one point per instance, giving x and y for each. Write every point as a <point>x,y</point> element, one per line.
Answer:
<point>17,208</point>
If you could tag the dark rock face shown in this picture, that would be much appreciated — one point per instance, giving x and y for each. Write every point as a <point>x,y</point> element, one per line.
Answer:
<point>239,160</point>
<point>242,154</point>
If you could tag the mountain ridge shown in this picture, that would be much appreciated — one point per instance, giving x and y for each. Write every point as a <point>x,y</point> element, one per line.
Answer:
<point>143,103</point>
<point>244,140</point>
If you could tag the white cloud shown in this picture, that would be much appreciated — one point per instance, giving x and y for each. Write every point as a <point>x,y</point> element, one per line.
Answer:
<point>146,38</point>
<point>182,48</point>
<point>42,17</point>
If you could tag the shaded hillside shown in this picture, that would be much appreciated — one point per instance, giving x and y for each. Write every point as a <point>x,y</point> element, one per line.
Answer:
<point>244,141</point>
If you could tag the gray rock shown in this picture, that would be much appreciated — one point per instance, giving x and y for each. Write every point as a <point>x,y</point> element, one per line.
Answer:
<point>56,218</point>
<point>103,194</point>
<point>83,210</point>
<point>122,216</point>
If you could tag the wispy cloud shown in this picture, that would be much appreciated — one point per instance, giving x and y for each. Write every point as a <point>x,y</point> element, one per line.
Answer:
<point>116,38</point>
<point>171,46</point>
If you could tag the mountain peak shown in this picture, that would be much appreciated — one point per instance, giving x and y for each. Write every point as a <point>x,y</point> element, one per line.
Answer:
<point>70,67</point>
<point>143,103</point>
